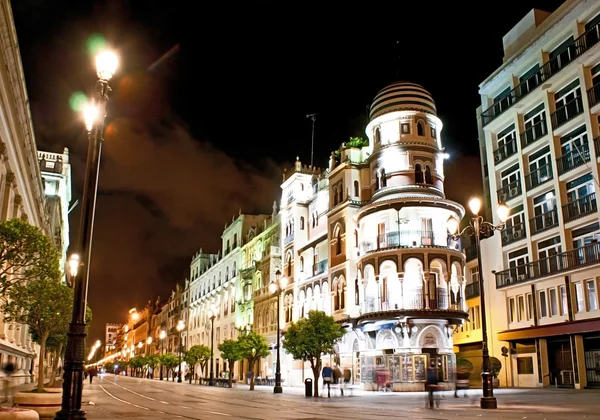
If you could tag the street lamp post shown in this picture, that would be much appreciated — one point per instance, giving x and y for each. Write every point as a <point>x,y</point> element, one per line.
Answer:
<point>276,288</point>
<point>106,64</point>
<point>162,336</point>
<point>212,313</point>
<point>180,328</point>
<point>477,227</point>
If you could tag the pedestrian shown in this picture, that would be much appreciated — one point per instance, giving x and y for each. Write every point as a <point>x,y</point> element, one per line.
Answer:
<point>327,378</point>
<point>432,385</point>
<point>8,370</point>
<point>92,372</point>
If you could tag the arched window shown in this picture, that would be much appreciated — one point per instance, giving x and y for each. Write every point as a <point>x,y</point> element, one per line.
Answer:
<point>336,296</point>
<point>338,244</point>
<point>377,180</point>
<point>226,273</point>
<point>341,286</point>
<point>301,222</point>
<point>287,231</point>
<point>428,178</point>
<point>288,261</point>
<point>301,187</point>
<point>420,128</point>
<point>301,263</point>
<point>377,135</point>
<point>335,196</point>
<point>341,193</point>
<point>233,270</point>
<point>356,296</point>
<point>313,221</point>
<point>227,249</point>
<point>356,189</point>
<point>235,243</point>
<point>418,174</point>
<point>383,178</point>
<point>356,238</point>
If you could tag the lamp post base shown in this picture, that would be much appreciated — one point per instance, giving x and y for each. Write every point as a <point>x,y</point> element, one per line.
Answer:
<point>179,378</point>
<point>212,382</point>
<point>70,415</point>
<point>488,403</point>
<point>277,389</point>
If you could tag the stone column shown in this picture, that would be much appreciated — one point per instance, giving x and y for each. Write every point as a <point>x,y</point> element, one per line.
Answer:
<point>6,200</point>
<point>579,359</point>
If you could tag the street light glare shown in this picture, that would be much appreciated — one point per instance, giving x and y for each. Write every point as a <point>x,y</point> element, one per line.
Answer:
<point>106,64</point>
<point>73,264</point>
<point>90,113</point>
<point>503,212</point>
<point>283,282</point>
<point>475,205</point>
<point>452,225</point>
<point>149,341</point>
<point>273,287</point>
<point>162,334</point>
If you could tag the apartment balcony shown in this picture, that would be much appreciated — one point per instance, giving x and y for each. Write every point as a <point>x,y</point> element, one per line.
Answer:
<point>593,95</point>
<point>580,207</point>
<point>573,159</point>
<point>472,290</point>
<point>545,73</point>
<point>404,238</point>
<point>534,133</point>
<point>544,221</point>
<point>540,176</point>
<point>504,152</point>
<point>418,301</point>
<point>567,112</point>
<point>320,268</point>
<point>585,256</point>
<point>288,239</point>
<point>509,191</point>
<point>513,234</point>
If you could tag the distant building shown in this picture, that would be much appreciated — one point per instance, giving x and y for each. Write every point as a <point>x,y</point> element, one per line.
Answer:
<point>540,145</point>
<point>111,332</point>
<point>56,175</point>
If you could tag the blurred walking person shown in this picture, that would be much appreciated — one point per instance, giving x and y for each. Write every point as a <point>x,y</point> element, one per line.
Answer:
<point>8,370</point>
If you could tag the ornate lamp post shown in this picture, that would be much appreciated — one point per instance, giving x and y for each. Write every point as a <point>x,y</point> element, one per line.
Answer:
<point>180,327</point>
<point>162,336</point>
<point>477,227</point>
<point>276,288</point>
<point>212,314</point>
<point>106,65</point>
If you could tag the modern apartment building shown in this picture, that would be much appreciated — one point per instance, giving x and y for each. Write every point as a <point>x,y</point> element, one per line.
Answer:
<point>539,125</point>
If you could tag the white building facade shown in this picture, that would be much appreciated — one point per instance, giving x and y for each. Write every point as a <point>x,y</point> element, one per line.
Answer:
<point>540,143</point>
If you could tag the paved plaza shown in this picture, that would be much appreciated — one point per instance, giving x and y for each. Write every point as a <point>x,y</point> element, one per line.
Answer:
<point>113,397</point>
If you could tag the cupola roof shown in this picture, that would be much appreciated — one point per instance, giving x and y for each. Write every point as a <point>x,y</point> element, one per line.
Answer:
<point>402,96</point>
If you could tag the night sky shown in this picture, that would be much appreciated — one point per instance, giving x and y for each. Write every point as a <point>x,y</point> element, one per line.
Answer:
<point>209,105</point>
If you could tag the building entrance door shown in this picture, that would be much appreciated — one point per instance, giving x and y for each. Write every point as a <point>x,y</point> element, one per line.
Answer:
<point>560,362</point>
<point>592,361</point>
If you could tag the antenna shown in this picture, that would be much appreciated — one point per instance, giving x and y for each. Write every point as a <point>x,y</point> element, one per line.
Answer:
<point>313,117</point>
<point>397,59</point>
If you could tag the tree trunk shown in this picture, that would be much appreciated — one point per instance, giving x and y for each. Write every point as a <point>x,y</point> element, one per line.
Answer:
<point>316,368</point>
<point>251,370</point>
<point>231,363</point>
<point>191,374</point>
<point>55,365</point>
<point>40,386</point>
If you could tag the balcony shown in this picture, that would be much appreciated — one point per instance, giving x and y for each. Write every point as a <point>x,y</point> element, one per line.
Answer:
<point>505,151</point>
<point>585,256</point>
<point>404,238</point>
<point>513,233</point>
<point>573,159</point>
<point>593,95</point>
<point>549,69</point>
<point>509,191</point>
<point>412,301</point>
<point>567,112</point>
<point>472,290</point>
<point>534,133</point>
<point>540,176</point>
<point>320,268</point>
<point>543,221</point>
<point>580,207</point>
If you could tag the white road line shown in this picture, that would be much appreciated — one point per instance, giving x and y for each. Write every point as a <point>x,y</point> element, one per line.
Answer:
<point>133,392</point>
<point>123,401</point>
<point>183,406</point>
<point>165,402</point>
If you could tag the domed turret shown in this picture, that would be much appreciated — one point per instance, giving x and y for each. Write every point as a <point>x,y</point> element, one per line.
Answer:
<point>402,96</point>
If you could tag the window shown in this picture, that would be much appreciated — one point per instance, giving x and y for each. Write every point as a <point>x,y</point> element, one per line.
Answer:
<point>535,124</point>
<point>433,133</point>
<point>335,196</point>
<point>562,55</point>
<point>543,304</point>
<point>356,189</point>
<point>338,244</point>
<point>356,238</point>
<point>418,174</point>
<point>235,242</point>
<point>579,297</point>
<point>564,305</point>
<point>301,222</point>
<point>544,211</point>
<point>405,128</point>
<point>553,302</point>
<point>341,193</point>
<point>356,294</point>
<point>288,262</point>
<point>420,128</point>
<point>507,144</point>
<point>512,312</point>
<point>574,150</point>
<point>383,178</point>
<point>549,255</point>
<point>590,290</point>
<point>540,167</point>
<point>428,178</point>
<point>517,261</point>
<point>521,308</point>
<point>511,183</point>
<point>580,197</point>
<point>530,80</point>
<point>530,307</point>
<point>567,103</point>
<point>302,264</point>
<point>377,135</point>
<point>475,274</point>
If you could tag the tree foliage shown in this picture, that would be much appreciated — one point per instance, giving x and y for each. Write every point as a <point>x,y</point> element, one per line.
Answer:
<point>26,254</point>
<point>252,348</point>
<point>310,338</point>
<point>230,351</point>
<point>196,354</point>
<point>169,362</point>
<point>45,306</point>
<point>357,142</point>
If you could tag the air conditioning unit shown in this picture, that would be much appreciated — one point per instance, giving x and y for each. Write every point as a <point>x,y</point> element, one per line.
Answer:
<point>503,196</point>
<point>505,237</point>
<point>521,277</point>
<point>497,157</point>
<point>518,234</point>
<point>514,191</point>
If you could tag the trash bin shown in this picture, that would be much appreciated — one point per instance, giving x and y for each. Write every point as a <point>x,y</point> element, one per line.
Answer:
<point>308,386</point>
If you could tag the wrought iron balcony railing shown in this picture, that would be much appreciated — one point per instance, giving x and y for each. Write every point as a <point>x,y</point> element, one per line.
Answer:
<point>505,151</point>
<point>567,112</point>
<point>404,238</point>
<point>509,191</point>
<point>543,221</point>
<point>534,133</point>
<point>580,207</point>
<point>540,176</point>
<point>573,159</point>
<point>472,290</point>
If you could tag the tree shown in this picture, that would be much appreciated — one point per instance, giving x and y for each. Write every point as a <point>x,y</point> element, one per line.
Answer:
<point>194,355</point>
<point>110,367</point>
<point>252,348</point>
<point>310,338</point>
<point>230,351</point>
<point>26,254</point>
<point>152,361</point>
<point>169,361</point>
<point>45,306</point>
